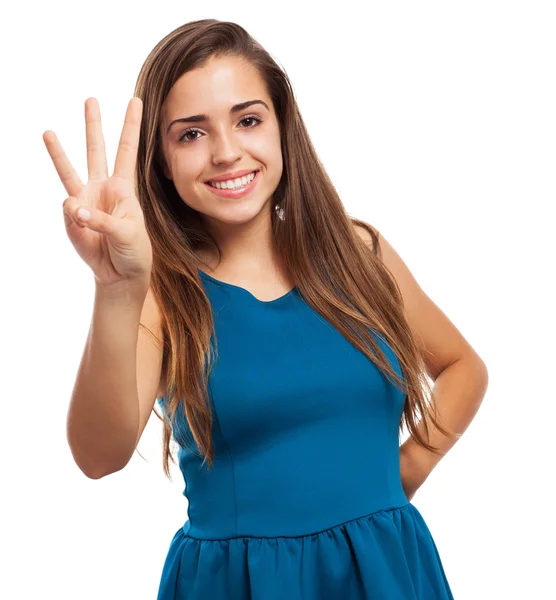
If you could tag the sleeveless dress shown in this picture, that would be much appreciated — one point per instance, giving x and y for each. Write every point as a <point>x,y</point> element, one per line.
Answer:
<point>305,500</point>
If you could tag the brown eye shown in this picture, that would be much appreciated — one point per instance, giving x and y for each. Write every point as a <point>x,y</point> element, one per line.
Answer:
<point>255,119</point>
<point>183,136</point>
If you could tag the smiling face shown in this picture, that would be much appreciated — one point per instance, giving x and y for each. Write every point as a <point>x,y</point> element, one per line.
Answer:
<point>246,138</point>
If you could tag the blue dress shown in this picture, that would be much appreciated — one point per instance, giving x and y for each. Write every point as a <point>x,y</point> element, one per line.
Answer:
<point>305,500</point>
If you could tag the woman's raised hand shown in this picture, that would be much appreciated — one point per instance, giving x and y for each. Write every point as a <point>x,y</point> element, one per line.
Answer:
<point>113,239</point>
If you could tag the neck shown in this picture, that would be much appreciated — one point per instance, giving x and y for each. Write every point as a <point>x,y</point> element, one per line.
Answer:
<point>246,248</point>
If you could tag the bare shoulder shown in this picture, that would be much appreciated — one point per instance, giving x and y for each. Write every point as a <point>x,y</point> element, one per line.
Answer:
<point>443,342</point>
<point>368,234</point>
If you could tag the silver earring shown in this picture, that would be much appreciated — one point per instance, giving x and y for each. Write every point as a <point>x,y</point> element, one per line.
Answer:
<point>279,212</point>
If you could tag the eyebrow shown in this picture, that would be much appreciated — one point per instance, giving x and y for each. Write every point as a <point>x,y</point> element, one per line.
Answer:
<point>205,118</point>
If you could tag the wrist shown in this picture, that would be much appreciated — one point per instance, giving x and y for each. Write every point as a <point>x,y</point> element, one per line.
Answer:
<point>126,290</point>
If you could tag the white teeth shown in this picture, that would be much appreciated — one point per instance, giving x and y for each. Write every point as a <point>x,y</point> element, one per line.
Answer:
<point>233,183</point>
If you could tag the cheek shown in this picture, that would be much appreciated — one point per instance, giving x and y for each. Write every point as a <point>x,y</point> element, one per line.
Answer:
<point>277,160</point>
<point>187,165</point>
<point>268,152</point>
<point>267,143</point>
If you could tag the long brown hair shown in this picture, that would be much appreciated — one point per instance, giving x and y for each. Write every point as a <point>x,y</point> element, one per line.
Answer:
<point>334,270</point>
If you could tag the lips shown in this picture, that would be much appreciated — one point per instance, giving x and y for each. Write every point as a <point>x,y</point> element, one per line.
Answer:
<point>235,192</point>
<point>212,181</point>
<point>231,176</point>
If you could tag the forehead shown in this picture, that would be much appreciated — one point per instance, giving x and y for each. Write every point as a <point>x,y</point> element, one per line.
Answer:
<point>213,88</point>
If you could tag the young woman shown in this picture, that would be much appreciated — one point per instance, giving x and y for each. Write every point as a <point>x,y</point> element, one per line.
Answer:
<point>286,344</point>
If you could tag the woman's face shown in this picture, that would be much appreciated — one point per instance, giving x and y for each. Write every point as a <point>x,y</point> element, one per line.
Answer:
<point>247,139</point>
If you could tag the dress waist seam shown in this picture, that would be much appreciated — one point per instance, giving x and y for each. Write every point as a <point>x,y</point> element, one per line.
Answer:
<point>381,511</point>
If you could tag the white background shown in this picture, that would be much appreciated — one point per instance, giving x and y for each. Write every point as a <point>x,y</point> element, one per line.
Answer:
<point>436,122</point>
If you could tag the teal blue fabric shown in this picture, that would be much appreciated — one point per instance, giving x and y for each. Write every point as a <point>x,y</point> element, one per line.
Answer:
<point>304,501</point>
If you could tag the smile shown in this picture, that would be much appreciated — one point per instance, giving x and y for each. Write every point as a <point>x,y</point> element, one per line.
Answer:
<point>236,192</point>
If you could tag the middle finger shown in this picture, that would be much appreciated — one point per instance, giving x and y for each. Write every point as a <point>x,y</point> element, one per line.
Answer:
<point>96,151</point>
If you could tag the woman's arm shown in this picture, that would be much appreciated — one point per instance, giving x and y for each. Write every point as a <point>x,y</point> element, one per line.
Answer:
<point>104,413</point>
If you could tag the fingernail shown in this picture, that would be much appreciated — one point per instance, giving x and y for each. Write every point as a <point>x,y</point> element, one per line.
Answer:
<point>83,214</point>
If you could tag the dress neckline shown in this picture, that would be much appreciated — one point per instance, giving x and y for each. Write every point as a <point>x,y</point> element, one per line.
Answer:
<point>242,289</point>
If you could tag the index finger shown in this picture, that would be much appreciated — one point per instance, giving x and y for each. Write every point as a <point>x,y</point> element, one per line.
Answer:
<point>64,168</point>
<point>129,140</point>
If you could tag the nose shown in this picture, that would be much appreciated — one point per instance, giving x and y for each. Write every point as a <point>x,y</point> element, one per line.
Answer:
<point>226,147</point>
